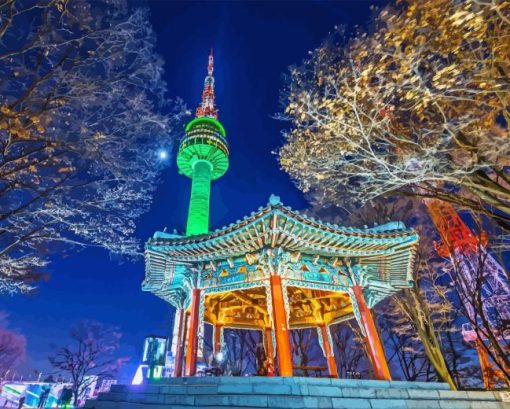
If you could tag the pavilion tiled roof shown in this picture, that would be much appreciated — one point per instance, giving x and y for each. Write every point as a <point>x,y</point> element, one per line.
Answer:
<point>386,251</point>
<point>277,225</point>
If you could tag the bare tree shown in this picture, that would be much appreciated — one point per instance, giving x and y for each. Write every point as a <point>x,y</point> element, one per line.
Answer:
<point>93,353</point>
<point>83,113</point>
<point>12,347</point>
<point>351,354</point>
<point>241,351</point>
<point>459,356</point>
<point>484,296</point>
<point>404,350</point>
<point>301,342</point>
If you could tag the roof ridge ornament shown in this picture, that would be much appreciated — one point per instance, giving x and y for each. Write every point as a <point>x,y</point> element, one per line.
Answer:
<point>274,200</point>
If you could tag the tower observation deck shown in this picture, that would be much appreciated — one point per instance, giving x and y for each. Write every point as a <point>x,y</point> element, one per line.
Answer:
<point>203,155</point>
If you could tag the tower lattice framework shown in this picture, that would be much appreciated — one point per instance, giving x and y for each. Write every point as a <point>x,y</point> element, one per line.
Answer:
<point>478,271</point>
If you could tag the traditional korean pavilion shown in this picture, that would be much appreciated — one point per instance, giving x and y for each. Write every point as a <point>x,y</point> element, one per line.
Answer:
<point>274,271</point>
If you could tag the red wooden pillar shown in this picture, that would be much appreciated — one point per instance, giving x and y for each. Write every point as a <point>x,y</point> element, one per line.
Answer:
<point>217,338</point>
<point>268,338</point>
<point>328,351</point>
<point>281,329</point>
<point>179,352</point>
<point>372,340</point>
<point>191,352</point>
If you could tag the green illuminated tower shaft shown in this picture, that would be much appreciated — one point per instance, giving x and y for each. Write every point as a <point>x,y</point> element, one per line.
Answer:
<point>203,156</point>
<point>198,214</point>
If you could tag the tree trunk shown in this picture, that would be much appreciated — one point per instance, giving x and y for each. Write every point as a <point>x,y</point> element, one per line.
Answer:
<point>428,336</point>
<point>75,396</point>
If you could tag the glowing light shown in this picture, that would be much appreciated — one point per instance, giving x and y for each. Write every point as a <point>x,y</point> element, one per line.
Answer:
<point>138,378</point>
<point>219,357</point>
<point>163,154</point>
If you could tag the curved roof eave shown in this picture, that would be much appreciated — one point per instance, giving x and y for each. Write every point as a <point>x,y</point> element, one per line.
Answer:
<point>387,231</point>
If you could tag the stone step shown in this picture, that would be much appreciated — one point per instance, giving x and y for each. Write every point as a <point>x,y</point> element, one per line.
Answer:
<point>297,402</point>
<point>308,381</point>
<point>292,393</point>
<point>344,383</point>
<point>150,394</point>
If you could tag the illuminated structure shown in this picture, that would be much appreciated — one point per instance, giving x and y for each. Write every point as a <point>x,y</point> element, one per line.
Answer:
<point>458,241</point>
<point>273,271</point>
<point>155,360</point>
<point>203,155</point>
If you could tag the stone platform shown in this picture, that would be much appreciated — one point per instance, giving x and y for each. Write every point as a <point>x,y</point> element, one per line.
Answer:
<point>295,393</point>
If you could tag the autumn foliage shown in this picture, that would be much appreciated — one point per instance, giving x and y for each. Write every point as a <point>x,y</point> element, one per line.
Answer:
<point>420,106</point>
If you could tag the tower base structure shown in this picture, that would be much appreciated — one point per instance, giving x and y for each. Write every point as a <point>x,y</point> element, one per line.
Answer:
<point>292,392</point>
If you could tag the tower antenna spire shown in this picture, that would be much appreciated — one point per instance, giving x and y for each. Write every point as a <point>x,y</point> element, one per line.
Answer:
<point>207,106</point>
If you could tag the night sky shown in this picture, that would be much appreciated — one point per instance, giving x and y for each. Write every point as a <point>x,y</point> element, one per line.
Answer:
<point>254,43</point>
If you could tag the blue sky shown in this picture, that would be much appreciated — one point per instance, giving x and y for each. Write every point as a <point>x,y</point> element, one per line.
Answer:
<point>254,43</point>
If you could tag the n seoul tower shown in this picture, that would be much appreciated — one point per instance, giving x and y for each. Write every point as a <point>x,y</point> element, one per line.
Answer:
<point>203,155</point>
